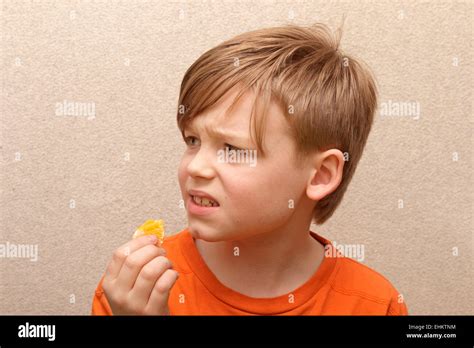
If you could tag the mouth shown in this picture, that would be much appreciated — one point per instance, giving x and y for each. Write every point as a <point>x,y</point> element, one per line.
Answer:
<point>204,201</point>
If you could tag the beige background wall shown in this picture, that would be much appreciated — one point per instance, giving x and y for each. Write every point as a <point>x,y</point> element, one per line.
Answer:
<point>77,186</point>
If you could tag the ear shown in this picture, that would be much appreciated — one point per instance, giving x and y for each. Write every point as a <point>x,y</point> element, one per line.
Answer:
<point>326,174</point>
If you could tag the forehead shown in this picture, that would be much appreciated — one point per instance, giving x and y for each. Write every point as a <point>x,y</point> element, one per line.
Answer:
<point>220,118</point>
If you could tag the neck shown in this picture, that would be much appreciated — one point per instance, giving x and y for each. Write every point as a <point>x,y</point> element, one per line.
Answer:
<point>266,265</point>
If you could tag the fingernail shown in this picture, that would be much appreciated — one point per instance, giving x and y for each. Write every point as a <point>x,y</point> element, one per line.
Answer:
<point>153,238</point>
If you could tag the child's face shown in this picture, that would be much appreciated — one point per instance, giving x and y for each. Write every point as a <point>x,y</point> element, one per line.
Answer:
<point>253,198</point>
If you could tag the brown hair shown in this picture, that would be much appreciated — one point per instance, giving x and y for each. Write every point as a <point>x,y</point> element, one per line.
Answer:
<point>328,98</point>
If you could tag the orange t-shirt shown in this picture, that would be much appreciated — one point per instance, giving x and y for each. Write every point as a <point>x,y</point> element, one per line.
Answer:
<point>340,286</point>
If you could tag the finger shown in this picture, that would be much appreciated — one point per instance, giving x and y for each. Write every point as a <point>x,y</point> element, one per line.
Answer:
<point>147,278</point>
<point>121,254</point>
<point>158,302</point>
<point>133,265</point>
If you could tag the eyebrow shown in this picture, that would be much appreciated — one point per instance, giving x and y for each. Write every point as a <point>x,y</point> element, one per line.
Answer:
<point>218,133</point>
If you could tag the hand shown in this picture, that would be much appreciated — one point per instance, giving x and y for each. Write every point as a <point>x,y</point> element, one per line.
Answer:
<point>139,278</point>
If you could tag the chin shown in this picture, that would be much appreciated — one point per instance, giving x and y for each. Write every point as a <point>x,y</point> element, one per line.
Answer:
<point>207,234</point>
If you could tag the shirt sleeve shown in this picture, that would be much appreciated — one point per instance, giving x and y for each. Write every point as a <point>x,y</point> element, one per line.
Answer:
<point>397,305</point>
<point>100,305</point>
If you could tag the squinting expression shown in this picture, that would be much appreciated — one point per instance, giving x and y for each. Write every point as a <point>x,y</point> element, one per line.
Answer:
<point>252,196</point>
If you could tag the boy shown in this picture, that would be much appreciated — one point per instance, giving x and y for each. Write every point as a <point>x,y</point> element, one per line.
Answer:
<point>253,181</point>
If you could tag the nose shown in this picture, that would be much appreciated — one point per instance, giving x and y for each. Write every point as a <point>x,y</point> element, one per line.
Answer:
<point>202,164</point>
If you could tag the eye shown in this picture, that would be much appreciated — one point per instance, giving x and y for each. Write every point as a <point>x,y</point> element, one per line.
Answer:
<point>232,147</point>
<point>188,140</point>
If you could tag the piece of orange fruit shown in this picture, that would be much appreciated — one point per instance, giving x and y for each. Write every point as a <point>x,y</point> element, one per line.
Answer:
<point>149,227</point>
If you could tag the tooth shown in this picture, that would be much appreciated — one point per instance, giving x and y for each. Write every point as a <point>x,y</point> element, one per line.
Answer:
<point>205,202</point>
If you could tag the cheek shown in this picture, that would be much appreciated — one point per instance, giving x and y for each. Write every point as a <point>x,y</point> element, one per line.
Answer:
<point>258,196</point>
<point>182,174</point>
